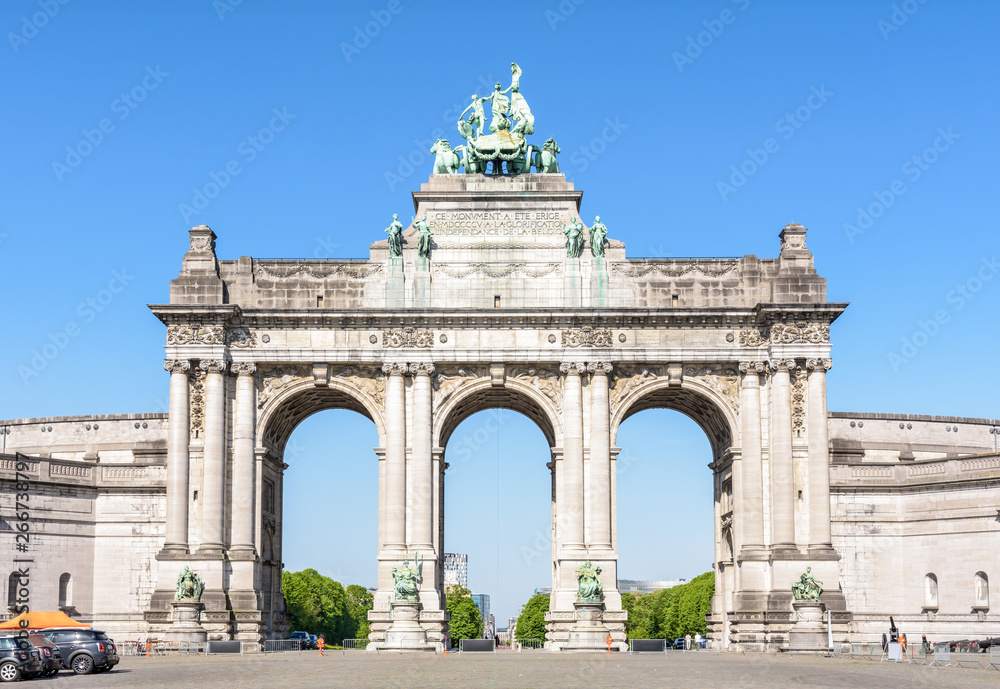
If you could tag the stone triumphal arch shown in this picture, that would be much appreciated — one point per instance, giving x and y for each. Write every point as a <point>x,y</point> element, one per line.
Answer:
<point>497,295</point>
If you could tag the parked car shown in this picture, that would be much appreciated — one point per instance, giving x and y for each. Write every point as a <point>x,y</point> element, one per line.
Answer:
<point>678,644</point>
<point>18,659</point>
<point>313,641</point>
<point>51,655</point>
<point>84,650</point>
<point>302,638</point>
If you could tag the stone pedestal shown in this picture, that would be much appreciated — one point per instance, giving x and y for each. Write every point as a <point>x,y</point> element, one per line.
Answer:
<point>808,633</point>
<point>186,623</point>
<point>405,633</point>
<point>589,633</point>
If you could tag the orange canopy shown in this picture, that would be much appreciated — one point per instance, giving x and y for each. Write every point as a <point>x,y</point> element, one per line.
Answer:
<point>42,620</point>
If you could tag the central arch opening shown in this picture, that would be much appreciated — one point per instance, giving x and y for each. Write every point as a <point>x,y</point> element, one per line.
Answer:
<point>498,509</point>
<point>498,497</point>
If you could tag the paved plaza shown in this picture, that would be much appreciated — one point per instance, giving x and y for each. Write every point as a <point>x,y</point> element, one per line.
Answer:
<point>516,670</point>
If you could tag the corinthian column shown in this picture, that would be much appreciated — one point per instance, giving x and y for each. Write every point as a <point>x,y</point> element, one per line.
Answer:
<point>819,456</point>
<point>751,501</point>
<point>243,458</point>
<point>177,456</point>
<point>782,475</point>
<point>570,505</point>
<point>214,457</point>
<point>395,457</point>
<point>600,457</point>
<point>422,483</point>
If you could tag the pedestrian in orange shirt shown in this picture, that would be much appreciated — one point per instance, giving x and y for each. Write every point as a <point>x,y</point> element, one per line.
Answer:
<point>320,644</point>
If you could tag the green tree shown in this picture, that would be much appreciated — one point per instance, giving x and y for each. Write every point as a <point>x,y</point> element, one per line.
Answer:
<point>359,602</point>
<point>466,620</point>
<point>641,608</point>
<point>681,610</point>
<point>316,604</point>
<point>531,621</point>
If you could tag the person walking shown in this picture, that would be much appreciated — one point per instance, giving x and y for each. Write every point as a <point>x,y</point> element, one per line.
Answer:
<point>321,644</point>
<point>687,642</point>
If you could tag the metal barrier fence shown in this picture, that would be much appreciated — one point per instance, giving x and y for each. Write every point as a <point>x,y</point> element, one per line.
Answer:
<point>528,645</point>
<point>356,644</point>
<point>282,645</point>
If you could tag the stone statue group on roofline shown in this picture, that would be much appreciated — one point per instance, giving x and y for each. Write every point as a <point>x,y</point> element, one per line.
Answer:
<point>504,142</point>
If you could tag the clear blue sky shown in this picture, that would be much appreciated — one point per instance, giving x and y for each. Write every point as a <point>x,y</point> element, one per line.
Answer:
<point>654,105</point>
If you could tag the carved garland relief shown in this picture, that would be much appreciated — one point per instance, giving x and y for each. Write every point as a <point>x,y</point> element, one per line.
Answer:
<point>407,337</point>
<point>196,382</point>
<point>195,334</point>
<point>586,337</point>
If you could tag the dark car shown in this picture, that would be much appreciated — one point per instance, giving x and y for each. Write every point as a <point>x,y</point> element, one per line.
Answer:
<point>84,650</point>
<point>313,641</point>
<point>18,659</point>
<point>302,638</point>
<point>679,644</point>
<point>51,655</point>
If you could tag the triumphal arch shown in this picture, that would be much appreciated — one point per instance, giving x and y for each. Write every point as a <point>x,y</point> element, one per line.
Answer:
<point>498,295</point>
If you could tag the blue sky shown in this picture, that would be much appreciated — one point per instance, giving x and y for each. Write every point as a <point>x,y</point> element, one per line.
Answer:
<point>694,129</point>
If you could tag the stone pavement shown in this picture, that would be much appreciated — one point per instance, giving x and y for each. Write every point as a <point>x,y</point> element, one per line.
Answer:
<point>507,670</point>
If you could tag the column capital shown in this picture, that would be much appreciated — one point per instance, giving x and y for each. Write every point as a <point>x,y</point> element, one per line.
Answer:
<point>422,369</point>
<point>394,369</point>
<point>819,364</point>
<point>243,368</point>
<point>573,368</point>
<point>212,365</point>
<point>753,366</point>
<point>782,364</point>
<point>177,365</point>
<point>600,368</point>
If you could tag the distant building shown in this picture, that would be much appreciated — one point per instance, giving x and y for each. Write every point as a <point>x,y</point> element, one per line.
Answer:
<point>646,586</point>
<point>456,570</point>
<point>545,591</point>
<point>482,601</point>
